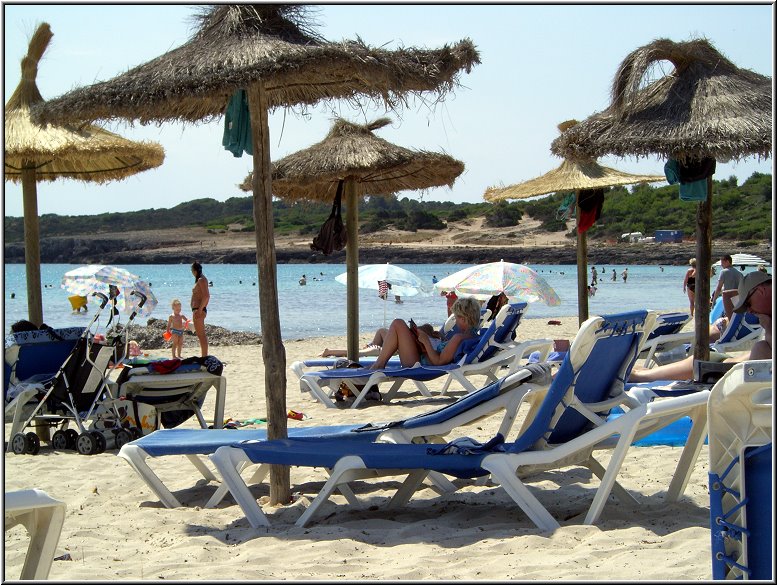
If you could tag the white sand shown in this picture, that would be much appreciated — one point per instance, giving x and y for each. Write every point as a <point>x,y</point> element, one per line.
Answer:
<point>116,529</point>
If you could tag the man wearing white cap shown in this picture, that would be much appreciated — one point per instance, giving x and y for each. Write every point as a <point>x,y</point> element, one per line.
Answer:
<point>754,295</point>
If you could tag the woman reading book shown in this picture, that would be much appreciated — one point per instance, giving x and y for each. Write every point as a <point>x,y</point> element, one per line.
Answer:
<point>415,345</point>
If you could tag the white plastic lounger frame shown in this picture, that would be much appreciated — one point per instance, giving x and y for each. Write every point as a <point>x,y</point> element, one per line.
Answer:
<point>618,433</point>
<point>513,391</point>
<point>159,385</point>
<point>43,517</point>
<point>740,414</point>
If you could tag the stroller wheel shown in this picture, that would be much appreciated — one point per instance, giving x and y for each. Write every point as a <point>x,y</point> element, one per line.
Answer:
<point>19,443</point>
<point>86,444</point>
<point>122,438</point>
<point>99,438</point>
<point>72,438</point>
<point>32,445</point>
<point>60,440</point>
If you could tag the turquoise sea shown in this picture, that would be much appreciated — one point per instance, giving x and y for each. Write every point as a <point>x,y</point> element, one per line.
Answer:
<point>318,309</point>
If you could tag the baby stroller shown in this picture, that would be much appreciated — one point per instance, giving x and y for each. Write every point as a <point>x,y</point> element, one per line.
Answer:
<point>79,391</point>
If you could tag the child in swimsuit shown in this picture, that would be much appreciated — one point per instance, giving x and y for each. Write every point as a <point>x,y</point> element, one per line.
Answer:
<point>176,325</point>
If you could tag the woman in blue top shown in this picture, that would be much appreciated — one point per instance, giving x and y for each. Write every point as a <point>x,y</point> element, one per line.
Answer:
<point>400,339</point>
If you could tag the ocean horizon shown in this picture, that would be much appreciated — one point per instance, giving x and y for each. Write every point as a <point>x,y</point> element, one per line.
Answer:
<point>319,308</point>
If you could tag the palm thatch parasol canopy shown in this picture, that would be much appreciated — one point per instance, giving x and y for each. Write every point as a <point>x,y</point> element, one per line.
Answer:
<point>35,152</point>
<point>569,176</point>
<point>706,107</point>
<point>270,52</point>
<point>377,166</point>
<point>368,165</point>
<point>577,175</point>
<point>237,45</point>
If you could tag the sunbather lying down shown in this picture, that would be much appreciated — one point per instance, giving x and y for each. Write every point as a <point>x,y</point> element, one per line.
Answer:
<point>373,347</point>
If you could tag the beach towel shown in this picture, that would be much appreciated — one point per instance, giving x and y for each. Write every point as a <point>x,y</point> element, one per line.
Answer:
<point>237,125</point>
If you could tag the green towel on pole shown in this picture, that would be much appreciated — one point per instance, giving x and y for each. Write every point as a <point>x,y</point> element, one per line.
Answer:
<point>237,125</point>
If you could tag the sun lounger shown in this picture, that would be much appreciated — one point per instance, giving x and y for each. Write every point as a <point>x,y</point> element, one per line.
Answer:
<point>741,479</point>
<point>177,391</point>
<point>504,394</point>
<point>741,333</point>
<point>43,517</point>
<point>486,355</point>
<point>564,427</point>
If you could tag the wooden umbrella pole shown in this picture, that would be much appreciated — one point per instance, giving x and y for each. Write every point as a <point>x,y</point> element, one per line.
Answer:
<point>352,268</point>
<point>701,316</point>
<point>32,244</point>
<point>273,352</point>
<point>582,268</point>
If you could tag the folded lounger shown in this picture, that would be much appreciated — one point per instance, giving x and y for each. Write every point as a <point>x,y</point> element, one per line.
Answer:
<point>741,478</point>
<point>562,429</point>
<point>506,394</point>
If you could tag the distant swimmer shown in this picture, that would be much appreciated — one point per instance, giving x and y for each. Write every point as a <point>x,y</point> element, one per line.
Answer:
<point>614,275</point>
<point>625,274</point>
<point>303,281</point>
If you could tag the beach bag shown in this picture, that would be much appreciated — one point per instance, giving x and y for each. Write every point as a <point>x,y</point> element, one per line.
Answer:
<point>138,411</point>
<point>344,390</point>
<point>332,236</point>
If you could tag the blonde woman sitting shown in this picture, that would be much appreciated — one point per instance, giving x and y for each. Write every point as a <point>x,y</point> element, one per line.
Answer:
<point>419,346</point>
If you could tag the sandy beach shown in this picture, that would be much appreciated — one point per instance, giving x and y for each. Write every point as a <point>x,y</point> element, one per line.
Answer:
<point>115,528</point>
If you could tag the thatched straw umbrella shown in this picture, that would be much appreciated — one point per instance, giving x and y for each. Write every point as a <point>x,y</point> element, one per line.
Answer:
<point>36,152</point>
<point>575,176</point>
<point>707,107</point>
<point>368,165</point>
<point>269,51</point>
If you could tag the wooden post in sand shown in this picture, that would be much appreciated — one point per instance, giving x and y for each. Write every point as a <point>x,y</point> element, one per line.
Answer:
<point>701,315</point>
<point>352,268</point>
<point>273,352</point>
<point>582,267</point>
<point>32,243</point>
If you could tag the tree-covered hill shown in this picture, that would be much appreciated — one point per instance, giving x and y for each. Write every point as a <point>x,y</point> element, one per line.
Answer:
<point>740,212</point>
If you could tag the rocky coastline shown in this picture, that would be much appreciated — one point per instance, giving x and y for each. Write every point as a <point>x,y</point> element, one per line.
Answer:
<point>142,250</point>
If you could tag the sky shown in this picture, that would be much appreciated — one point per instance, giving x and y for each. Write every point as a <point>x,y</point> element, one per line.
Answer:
<point>540,65</point>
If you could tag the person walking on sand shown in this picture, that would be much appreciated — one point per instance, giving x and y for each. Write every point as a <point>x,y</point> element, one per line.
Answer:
<point>728,283</point>
<point>689,283</point>
<point>176,325</point>
<point>199,305</point>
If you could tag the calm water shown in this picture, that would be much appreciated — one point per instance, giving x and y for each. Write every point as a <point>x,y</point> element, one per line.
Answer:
<point>318,309</point>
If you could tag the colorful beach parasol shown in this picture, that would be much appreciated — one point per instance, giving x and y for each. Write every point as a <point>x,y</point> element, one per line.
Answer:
<point>515,280</point>
<point>99,278</point>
